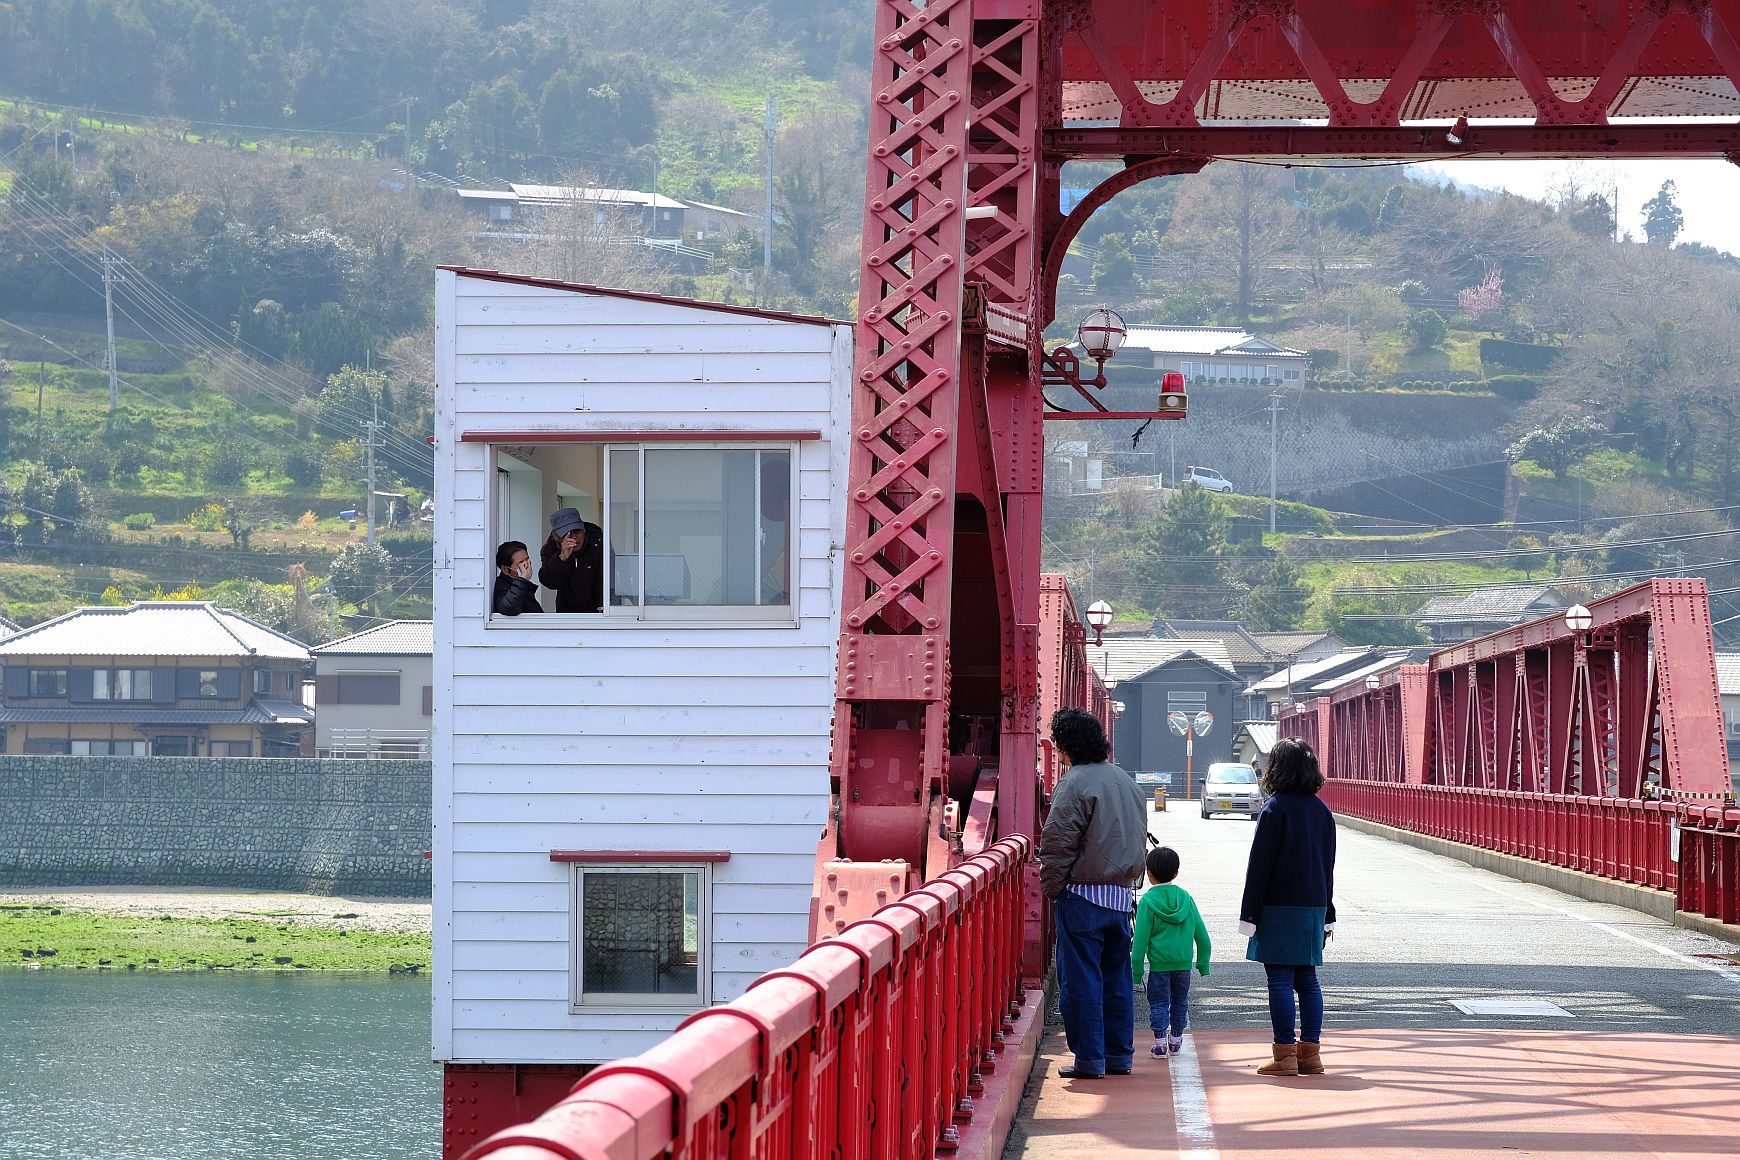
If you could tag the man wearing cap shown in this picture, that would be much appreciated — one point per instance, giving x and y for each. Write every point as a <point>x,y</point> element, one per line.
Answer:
<point>572,562</point>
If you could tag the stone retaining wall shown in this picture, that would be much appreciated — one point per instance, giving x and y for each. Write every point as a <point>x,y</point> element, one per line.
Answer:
<point>324,827</point>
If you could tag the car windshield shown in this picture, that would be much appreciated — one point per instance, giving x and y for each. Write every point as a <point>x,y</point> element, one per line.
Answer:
<point>1236,774</point>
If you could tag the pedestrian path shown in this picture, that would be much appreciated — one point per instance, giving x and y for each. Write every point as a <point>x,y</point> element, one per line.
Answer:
<point>1632,1047</point>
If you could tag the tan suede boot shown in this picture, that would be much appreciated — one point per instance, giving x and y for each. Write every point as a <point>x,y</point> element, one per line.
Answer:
<point>1286,1061</point>
<point>1310,1058</point>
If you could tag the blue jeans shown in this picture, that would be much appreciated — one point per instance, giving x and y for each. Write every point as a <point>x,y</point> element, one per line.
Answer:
<point>1283,983</point>
<point>1168,1001</point>
<point>1096,994</point>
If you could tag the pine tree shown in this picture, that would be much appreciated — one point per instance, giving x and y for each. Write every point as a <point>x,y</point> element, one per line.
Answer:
<point>1278,603</point>
<point>1662,219</point>
<point>1182,550</point>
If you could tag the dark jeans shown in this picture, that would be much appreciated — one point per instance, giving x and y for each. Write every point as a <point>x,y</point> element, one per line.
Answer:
<point>1168,1001</point>
<point>1096,994</point>
<point>1283,983</point>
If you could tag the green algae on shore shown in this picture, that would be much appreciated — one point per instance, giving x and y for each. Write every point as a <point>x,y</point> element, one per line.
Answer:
<point>44,937</point>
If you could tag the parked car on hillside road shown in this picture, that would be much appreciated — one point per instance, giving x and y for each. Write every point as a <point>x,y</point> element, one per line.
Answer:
<point>1206,477</point>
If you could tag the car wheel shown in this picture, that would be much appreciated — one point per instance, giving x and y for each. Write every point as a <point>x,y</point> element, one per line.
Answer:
<point>1205,814</point>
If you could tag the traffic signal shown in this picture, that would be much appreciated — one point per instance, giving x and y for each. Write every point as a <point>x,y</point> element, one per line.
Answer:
<point>1174,401</point>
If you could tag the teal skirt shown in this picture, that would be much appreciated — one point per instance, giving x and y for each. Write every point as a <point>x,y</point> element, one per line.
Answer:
<point>1289,936</point>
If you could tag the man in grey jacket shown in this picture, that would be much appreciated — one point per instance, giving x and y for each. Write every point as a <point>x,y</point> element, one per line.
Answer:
<point>1090,856</point>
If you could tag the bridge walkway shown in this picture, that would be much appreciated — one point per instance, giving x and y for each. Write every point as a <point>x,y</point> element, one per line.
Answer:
<point>1643,1061</point>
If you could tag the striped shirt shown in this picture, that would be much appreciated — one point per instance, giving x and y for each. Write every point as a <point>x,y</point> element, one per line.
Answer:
<point>1106,894</point>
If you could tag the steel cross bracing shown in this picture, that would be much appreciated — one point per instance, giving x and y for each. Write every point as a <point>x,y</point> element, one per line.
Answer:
<point>976,107</point>
<point>1627,709</point>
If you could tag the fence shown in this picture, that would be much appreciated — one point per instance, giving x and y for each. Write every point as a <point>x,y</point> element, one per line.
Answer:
<point>389,744</point>
<point>869,1047</point>
<point>1691,850</point>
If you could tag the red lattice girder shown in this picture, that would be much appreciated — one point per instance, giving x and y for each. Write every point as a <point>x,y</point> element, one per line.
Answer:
<point>1371,64</point>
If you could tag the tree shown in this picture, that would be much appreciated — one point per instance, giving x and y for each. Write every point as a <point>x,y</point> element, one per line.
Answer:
<point>1278,603</point>
<point>1234,222</point>
<point>72,506</point>
<point>361,574</point>
<point>1662,219</point>
<point>1425,329</point>
<point>349,397</point>
<point>1181,552</point>
<point>1114,269</point>
<point>238,523</point>
<point>1479,301</point>
<point>1558,446</point>
<point>818,176</point>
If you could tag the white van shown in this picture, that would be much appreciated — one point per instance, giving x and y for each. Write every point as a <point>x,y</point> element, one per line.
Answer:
<point>1230,787</point>
<point>1206,477</point>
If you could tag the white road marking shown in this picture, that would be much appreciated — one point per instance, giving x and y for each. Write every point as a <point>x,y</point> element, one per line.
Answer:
<point>1729,974</point>
<point>1190,1107</point>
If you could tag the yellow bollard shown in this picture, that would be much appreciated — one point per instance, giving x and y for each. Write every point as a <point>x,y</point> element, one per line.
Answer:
<point>1160,800</point>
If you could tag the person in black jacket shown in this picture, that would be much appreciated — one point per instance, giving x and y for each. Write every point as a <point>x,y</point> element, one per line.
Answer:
<point>1288,908</point>
<point>514,591</point>
<point>572,562</point>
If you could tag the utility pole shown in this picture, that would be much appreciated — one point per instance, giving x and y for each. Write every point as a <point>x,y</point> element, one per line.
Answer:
<point>1348,365</point>
<point>410,181</point>
<point>1274,429</point>
<point>109,280</point>
<point>373,427</point>
<point>767,134</point>
<point>42,362</point>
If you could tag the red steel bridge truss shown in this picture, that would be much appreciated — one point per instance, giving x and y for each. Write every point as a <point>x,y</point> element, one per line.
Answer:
<point>1583,748</point>
<point>976,106</point>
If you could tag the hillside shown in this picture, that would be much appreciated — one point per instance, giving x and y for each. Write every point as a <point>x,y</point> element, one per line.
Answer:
<point>273,184</point>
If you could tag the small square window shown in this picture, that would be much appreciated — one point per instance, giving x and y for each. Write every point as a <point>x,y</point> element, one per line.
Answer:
<point>263,682</point>
<point>641,936</point>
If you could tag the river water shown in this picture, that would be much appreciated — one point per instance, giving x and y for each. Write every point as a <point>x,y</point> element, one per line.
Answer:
<point>244,1066</point>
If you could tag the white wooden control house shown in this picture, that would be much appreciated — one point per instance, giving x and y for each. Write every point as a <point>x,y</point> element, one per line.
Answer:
<point>627,801</point>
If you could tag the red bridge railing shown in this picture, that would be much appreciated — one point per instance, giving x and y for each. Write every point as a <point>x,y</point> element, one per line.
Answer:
<point>869,1047</point>
<point>1598,749</point>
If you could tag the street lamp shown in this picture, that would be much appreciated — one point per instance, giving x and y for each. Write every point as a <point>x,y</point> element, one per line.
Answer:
<point>1118,708</point>
<point>1101,334</point>
<point>1578,618</point>
<point>1372,682</point>
<point>1099,614</point>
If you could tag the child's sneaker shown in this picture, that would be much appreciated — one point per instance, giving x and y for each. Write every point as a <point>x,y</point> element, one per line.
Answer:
<point>1158,1051</point>
<point>1176,1044</point>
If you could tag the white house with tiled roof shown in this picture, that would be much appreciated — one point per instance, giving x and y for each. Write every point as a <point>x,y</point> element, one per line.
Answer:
<point>374,692</point>
<point>1208,353</point>
<point>1456,618</point>
<point>164,678</point>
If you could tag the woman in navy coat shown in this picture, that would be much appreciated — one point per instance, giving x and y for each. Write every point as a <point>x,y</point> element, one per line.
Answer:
<point>1288,909</point>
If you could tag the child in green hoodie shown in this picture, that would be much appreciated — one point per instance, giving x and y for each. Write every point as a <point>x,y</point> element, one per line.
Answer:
<point>1167,928</point>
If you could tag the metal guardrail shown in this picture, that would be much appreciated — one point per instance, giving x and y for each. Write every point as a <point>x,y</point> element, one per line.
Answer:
<point>1625,839</point>
<point>869,1047</point>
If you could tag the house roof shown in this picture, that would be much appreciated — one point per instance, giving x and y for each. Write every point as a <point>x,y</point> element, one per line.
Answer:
<point>396,638</point>
<point>1241,646</point>
<point>1263,734</point>
<point>154,628</point>
<point>1204,340</point>
<point>709,206</point>
<point>1728,673</point>
<point>640,296</point>
<point>1280,680</point>
<point>1123,657</point>
<point>1289,644</point>
<point>1380,664</point>
<point>1506,602</point>
<point>255,712</point>
<point>561,194</point>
